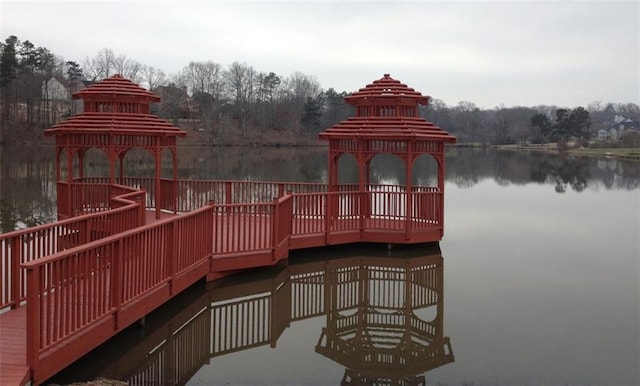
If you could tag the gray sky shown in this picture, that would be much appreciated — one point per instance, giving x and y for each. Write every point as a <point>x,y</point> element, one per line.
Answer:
<point>565,53</point>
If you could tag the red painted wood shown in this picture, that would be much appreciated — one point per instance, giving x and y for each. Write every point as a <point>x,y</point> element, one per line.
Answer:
<point>110,262</point>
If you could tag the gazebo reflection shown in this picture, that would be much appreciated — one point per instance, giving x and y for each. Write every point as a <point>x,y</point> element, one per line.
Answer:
<point>384,320</point>
<point>374,327</point>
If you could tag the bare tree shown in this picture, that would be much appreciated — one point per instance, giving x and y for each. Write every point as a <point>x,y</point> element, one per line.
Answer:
<point>266,85</point>
<point>204,77</point>
<point>101,66</point>
<point>153,77</point>
<point>239,78</point>
<point>129,68</point>
<point>297,88</point>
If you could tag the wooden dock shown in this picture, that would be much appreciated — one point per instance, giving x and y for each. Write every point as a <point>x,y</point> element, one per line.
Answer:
<point>81,280</point>
<point>68,286</point>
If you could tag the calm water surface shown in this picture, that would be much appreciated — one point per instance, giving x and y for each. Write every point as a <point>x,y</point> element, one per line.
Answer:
<point>535,283</point>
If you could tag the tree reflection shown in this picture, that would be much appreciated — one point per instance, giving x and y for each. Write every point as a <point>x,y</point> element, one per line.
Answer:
<point>27,187</point>
<point>468,167</point>
<point>27,181</point>
<point>564,171</point>
<point>383,313</point>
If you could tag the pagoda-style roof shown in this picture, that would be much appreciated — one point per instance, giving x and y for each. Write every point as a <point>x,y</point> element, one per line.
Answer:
<point>116,87</point>
<point>387,128</point>
<point>116,105</point>
<point>120,123</point>
<point>387,110</point>
<point>385,88</point>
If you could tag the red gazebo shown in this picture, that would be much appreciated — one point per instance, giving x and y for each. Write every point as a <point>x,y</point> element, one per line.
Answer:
<point>387,121</point>
<point>115,120</point>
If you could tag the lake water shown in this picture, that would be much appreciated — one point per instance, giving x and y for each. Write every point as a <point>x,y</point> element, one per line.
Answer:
<point>536,282</point>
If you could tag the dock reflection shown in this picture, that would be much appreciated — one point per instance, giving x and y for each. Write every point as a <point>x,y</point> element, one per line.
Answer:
<point>383,312</point>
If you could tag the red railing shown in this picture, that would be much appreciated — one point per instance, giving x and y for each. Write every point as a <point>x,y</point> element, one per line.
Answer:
<point>23,246</point>
<point>74,293</point>
<point>373,210</point>
<point>82,275</point>
<point>193,194</point>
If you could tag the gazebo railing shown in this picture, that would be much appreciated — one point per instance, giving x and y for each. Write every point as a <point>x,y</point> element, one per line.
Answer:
<point>373,210</point>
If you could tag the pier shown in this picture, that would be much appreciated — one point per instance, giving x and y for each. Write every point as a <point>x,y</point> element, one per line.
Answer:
<point>123,246</point>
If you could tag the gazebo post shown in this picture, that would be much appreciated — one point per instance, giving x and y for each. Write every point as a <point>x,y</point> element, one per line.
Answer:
<point>158,182</point>
<point>81,164</point>
<point>175,181</point>
<point>409,192</point>
<point>112,168</point>
<point>441,171</point>
<point>70,209</point>
<point>121,173</point>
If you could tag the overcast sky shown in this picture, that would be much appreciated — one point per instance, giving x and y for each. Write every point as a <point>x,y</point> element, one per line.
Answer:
<point>565,53</point>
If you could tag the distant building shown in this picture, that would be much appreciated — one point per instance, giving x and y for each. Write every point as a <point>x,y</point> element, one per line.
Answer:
<point>620,126</point>
<point>56,98</point>
<point>603,135</point>
<point>174,102</point>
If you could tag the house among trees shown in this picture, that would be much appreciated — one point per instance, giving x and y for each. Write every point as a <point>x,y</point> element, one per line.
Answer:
<point>56,98</point>
<point>621,125</point>
<point>174,103</point>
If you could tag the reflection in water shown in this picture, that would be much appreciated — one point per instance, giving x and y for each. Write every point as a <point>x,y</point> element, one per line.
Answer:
<point>564,171</point>
<point>27,178</point>
<point>373,327</point>
<point>27,187</point>
<point>384,320</point>
<point>467,167</point>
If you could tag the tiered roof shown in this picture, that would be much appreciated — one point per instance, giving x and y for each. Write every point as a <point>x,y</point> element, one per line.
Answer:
<point>387,109</point>
<point>116,87</point>
<point>116,105</point>
<point>386,88</point>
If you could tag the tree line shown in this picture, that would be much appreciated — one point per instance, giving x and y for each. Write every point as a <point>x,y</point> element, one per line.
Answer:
<point>218,99</point>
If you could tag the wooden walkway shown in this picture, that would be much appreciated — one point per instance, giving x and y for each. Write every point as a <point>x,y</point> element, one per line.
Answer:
<point>82,280</point>
<point>13,347</point>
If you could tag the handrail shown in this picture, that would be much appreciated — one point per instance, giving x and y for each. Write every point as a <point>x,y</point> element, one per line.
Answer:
<point>71,291</point>
<point>120,269</point>
<point>111,257</point>
<point>26,245</point>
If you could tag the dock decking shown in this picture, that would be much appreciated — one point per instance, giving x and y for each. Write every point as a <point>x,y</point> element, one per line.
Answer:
<point>81,280</point>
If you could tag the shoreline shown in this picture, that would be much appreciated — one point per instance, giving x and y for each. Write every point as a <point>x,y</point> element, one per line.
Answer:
<point>627,153</point>
<point>195,139</point>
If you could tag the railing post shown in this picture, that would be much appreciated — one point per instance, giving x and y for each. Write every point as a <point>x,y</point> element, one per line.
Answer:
<point>408,214</point>
<point>227,192</point>
<point>87,231</point>
<point>328,207</point>
<point>117,290</point>
<point>211,242</point>
<point>440,203</point>
<point>275,220</point>
<point>16,260</point>
<point>170,254</point>
<point>227,195</point>
<point>362,211</point>
<point>142,200</point>
<point>33,321</point>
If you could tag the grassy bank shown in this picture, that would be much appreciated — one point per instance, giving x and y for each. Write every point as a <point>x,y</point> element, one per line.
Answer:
<point>628,153</point>
<point>631,153</point>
